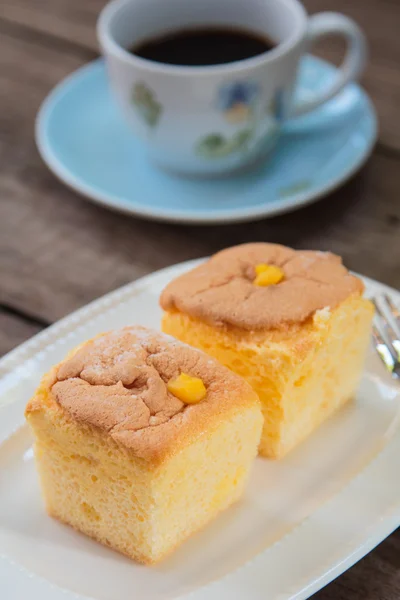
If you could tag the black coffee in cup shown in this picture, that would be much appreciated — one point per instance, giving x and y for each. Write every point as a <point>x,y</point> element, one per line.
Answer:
<point>203,46</point>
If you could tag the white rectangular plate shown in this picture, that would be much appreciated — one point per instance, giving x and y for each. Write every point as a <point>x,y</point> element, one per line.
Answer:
<point>303,520</point>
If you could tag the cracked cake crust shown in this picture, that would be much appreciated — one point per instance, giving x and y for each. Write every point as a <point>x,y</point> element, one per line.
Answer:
<point>117,383</point>
<point>221,291</point>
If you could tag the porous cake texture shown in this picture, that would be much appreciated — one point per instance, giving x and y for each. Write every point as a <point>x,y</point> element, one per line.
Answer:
<point>299,342</point>
<point>124,460</point>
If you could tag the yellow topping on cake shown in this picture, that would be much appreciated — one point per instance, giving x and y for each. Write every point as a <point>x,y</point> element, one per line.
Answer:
<point>268,275</point>
<point>189,390</point>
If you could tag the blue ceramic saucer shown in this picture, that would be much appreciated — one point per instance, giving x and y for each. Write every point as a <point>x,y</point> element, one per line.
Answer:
<point>84,140</point>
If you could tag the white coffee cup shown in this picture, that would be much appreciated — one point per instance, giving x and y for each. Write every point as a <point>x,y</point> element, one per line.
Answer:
<point>214,119</point>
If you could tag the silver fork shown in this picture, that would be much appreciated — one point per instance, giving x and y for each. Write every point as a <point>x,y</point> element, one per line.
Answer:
<point>386,333</point>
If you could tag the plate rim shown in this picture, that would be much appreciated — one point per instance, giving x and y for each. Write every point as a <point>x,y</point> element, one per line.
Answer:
<point>237,215</point>
<point>222,588</point>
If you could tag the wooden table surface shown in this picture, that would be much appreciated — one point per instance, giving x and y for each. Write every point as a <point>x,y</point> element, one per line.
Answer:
<point>58,252</point>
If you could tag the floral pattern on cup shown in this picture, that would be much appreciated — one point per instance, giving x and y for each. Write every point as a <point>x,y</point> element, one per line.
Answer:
<point>146,104</point>
<point>240,103</point>
<point>216,145</point>
<point>237,99</point>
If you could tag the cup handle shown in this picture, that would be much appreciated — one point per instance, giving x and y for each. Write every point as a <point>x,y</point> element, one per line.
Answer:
<point>329,23</point>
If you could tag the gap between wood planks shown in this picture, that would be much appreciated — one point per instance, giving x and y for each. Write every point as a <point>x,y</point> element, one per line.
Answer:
<point>45,39</point>
<point>16,327</point>
<point>24,316</point>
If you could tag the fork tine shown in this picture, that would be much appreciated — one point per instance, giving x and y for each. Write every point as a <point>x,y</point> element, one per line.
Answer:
<point>390,331</point>
<point>394,320</point>
<point>394,311</point>
<point>385,352</point>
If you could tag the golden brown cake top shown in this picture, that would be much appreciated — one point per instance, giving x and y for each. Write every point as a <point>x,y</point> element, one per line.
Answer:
<point>117,383</point>
<point>222,291</point>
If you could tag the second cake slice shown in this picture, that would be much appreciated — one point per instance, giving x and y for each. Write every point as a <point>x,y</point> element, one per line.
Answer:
<point>294,324</point>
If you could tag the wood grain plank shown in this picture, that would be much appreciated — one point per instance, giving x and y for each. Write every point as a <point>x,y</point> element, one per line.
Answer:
<point>14,331</point>
<point>74,22</point>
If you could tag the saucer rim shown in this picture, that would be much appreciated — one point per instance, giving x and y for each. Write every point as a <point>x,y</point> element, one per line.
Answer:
<point>177,216</point>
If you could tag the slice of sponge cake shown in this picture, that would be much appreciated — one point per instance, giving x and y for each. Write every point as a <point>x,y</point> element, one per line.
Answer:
<point>293,323</point>
<point>141,440</point>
